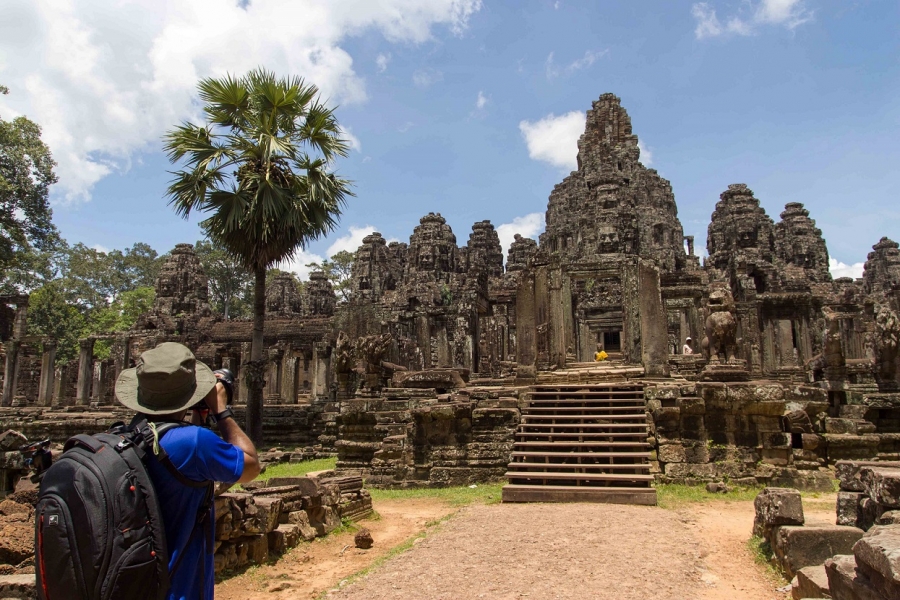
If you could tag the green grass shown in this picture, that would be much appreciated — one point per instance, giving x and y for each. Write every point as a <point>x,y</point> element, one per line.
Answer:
<point>762,553</point>
<point>483,493</point>
<point>669,495</point>
<point>297,469</point>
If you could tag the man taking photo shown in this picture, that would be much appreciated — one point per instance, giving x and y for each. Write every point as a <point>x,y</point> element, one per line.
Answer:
<point>166,383</point>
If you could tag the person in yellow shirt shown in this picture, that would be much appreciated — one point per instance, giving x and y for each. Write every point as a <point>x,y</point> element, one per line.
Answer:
<point>600,355</point>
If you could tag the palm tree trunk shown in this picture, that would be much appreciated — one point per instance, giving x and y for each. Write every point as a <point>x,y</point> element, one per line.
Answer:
<point>257,381</point>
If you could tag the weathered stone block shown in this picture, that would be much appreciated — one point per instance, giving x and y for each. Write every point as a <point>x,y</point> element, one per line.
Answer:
<point>301,519</point>
<point>257,548</point>
<point>323,519</point>
<point>268,513</point>
<point>811,582</point>
<point>840,426</point>
<point>17,586</point>
<point>878,557</point>
<point>283,538</point>
<point>692,405</point>
<point>882,485</point>
<point>847,472</point>
<point>851,447</point>
<point>806,480</point>
<point>681,470</point>
<point>848,508</point>
<point>671,453</point>
<point>846,583</point>
<point>798,547</point>
<point>870,513</point>
<point>775,507</point>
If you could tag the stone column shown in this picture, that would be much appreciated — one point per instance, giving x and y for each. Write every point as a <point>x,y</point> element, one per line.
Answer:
<point>85,372</point>
<point>423,339</point>
<point>97,380</point>
<point>631,312</point>
<point>557,346</point>
<point>526,350</point>
<point>289,377</point>
<point>59,387</point>
<point>240,396</point>
<point>123,358</point>
<point>11,374</point>
<point>542,317</point>
<point>587,345</point>
<point>45,389</point>
<point>320,371</point>
<point>654,336</point>
<point>443,347</point>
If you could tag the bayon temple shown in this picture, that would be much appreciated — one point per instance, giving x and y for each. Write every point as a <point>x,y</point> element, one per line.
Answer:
<point>447,366</point>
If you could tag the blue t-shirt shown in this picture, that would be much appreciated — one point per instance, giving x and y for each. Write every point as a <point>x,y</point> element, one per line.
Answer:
<point>200,455</point>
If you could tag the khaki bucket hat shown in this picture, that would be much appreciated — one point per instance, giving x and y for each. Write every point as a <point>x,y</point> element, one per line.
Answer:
<point>167,379</point>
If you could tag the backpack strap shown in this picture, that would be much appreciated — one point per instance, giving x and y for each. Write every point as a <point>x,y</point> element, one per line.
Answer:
<point>149,434</point>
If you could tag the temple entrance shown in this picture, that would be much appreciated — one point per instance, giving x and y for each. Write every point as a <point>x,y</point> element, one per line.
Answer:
<point>612,341</point>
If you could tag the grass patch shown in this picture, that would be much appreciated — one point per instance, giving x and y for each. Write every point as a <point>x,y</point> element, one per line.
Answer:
<point>482,493</point>
<point>670,495</point>
<point>299,469</point>
<point>762,555</point>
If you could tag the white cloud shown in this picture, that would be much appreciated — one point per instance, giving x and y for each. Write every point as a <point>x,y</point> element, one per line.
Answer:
<point>708,24</point>
<point>589,58</point>
<point>839,269</point>
<point>786,13</point>
<point>424,78</point>
<point>298,264</point>
<point>646,154</point>
<point>350,241</point>
<point>100,248</point>
<point>789,13</point>
<point>106,79</point>
<point>481,101</point>
<point>351,139</point>
<point>530,225</point>
<point>556,5</point>
<point>381,61</point>
<point>553,139</point>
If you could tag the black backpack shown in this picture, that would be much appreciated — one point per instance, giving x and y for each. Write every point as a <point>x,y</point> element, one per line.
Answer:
<point>99,533</point>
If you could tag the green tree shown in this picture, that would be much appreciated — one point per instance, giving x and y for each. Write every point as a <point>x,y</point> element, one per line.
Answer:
<point>229,282</point>
<point>26,174</point>
<point>120,315</point>
<point>52,315</point>
<point>261,169</point>
<point>338,270</point>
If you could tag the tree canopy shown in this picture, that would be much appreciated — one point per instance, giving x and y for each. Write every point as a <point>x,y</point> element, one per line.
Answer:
<point>26,174</point>
<point>260,168</point>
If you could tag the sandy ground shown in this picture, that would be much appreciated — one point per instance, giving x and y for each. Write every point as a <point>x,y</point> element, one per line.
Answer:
<point>534,551</point>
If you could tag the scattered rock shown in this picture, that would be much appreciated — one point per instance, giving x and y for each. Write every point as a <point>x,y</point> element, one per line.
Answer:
<point>716,488</point>
<point>363,539</point>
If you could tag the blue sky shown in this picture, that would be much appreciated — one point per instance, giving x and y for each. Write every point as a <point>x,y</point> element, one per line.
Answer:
<point>472,108</point>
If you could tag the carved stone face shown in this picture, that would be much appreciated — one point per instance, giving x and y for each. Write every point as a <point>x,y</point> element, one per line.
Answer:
<point>608,239</point>
<point>747,238</point>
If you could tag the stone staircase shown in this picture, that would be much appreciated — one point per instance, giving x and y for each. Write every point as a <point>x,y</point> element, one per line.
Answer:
<point>582,443</point>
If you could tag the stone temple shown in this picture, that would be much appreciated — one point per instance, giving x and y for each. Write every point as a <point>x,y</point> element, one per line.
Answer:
<point>447,366</point>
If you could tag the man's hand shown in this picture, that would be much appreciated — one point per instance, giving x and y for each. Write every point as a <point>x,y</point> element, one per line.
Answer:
<point>217,398</point>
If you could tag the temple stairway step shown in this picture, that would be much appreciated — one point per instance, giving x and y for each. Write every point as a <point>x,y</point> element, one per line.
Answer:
<point>582,443</point>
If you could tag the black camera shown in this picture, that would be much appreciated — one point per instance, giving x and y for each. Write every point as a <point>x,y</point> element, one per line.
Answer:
<point>226,378</point>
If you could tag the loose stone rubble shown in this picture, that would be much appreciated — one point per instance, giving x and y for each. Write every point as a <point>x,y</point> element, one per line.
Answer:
<point>857,559</point>
<point>420,376</point>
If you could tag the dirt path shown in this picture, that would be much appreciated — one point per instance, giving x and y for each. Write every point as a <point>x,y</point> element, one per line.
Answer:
<point>309,569</point>
<point>535,551</point>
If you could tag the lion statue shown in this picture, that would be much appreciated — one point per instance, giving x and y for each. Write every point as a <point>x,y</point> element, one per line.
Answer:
<point>721,326</point>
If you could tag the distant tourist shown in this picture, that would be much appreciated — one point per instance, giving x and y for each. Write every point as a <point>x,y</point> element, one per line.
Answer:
<point>687,349</point>
<point>600,355</point>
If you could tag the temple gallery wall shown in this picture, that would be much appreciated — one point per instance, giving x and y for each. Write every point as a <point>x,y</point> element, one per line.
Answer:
<point>431,371</point>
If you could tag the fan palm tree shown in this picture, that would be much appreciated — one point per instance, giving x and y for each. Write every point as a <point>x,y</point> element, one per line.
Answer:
<point>260,168</point>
